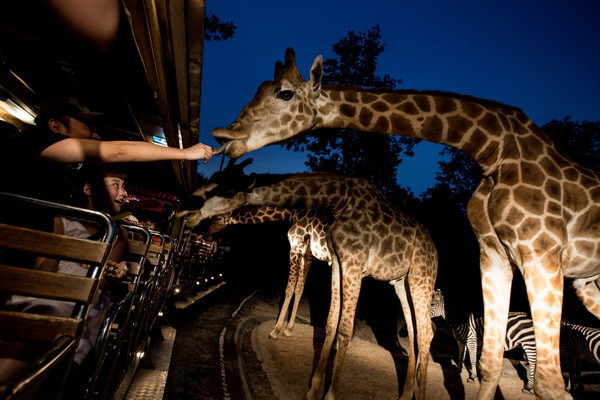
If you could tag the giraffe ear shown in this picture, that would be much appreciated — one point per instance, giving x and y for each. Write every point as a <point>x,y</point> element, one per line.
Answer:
<point>250,182</point>
<point>316,75</point>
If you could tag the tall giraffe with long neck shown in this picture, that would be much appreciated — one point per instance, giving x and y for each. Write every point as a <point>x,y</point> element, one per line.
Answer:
<point>306,237</point>
<point>368,237</point>
<point>534,209</point>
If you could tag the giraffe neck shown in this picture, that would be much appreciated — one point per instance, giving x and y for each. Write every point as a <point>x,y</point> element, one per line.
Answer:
<point>481,128</point>
<point>259,215</point>
<point>307,191</point>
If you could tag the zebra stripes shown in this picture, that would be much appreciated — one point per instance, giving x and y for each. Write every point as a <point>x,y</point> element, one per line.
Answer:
<point>578,343</point>
<point>468,330</point>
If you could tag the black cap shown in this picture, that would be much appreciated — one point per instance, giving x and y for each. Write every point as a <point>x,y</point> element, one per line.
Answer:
<point>65,106</point>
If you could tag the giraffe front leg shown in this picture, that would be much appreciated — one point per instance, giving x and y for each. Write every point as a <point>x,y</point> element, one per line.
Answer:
<point>303,272</point>
<point>589,293</point>
<point>544,282</point>
<point>496,281</point>
<point>333,318</point>
<point>289,291</point>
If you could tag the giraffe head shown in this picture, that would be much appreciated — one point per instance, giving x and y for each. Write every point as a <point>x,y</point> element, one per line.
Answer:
<point>217,223</point>
<point>225,191</point>
<point>280,110</point>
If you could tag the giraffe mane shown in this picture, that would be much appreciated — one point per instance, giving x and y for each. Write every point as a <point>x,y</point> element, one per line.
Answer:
<point>479,100</point>
<point>270,179</point>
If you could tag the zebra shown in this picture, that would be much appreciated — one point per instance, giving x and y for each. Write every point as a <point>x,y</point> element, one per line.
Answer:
<point>467,328</point>
<point>578,343</point>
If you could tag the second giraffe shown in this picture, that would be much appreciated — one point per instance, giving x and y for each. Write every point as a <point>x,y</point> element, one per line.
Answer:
<point>368,238</point>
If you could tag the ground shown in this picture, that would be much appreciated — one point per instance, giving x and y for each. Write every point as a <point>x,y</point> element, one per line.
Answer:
<point>369,371</point>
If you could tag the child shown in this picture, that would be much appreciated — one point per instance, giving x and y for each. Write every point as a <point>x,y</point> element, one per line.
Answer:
<point>99,188</point>
<point>102,188</point>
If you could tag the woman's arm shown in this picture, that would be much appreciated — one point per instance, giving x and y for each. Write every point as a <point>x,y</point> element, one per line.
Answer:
<point>79,150</point>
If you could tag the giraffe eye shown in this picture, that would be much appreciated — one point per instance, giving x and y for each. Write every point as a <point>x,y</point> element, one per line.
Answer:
<point>285,95</point>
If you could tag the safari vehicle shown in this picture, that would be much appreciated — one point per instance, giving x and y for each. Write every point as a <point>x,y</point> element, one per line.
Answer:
<point>146,76</point>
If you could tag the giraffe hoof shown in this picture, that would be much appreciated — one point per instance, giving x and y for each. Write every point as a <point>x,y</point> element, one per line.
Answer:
<point>287,333</point>
<point>274,335</point>
<point>470,380</point>
<point>527,391</point>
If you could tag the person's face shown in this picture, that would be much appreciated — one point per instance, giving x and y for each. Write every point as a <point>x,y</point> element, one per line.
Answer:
<point>76,129</point>
<point>117,194</point>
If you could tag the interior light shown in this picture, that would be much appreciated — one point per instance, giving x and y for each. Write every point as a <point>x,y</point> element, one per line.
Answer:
<point>16,111</point>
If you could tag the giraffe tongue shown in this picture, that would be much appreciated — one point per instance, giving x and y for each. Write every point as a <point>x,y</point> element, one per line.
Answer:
<point>223,148</point>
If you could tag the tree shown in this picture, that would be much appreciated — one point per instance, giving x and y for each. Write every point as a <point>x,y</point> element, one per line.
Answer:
<point>347,151</point>
<point>579,141</point>
<point>457,179</point>
<point>214,29</point>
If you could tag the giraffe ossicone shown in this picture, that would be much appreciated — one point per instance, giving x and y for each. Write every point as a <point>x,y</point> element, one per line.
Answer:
<point>534,210</point>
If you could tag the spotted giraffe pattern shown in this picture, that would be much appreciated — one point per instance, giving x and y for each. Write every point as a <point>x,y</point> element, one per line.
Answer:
<point>307,239</point>
<point>534,209</point>
<point>368,237</point>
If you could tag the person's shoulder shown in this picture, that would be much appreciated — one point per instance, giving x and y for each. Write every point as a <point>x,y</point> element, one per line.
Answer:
<point>34,140</point>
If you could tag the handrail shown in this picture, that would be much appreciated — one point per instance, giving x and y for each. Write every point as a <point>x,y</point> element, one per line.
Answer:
<point>53,208</point>
<point>35,370</point>
<point>66,211</point>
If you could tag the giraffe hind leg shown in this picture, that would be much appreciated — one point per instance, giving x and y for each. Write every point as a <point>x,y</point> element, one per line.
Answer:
<point>400,288</point>
<point>421,293</point>
<point>351,284</point>
<point>496,282</point>
<point>545,294</point>
<point>318,376</point>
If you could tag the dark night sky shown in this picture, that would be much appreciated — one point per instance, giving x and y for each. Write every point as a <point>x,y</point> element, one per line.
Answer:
<point>542,56</point>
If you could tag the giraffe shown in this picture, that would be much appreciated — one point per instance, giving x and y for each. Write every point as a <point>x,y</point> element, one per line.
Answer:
<point>534,209</point>
<point>306,237</point>
<point>368,237</point>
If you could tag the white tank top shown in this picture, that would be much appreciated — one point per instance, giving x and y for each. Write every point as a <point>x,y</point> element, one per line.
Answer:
<point>73,228</point>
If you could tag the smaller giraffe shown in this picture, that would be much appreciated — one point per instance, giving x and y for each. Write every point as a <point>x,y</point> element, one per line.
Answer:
<point>368,237</point>
<point>306,237</point>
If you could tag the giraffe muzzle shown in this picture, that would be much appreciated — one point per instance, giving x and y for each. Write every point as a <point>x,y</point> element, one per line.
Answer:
<point>223,135</point>
<point>233,149</point>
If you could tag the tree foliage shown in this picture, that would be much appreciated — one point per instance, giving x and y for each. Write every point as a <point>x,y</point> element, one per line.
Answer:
<point>347,151</point>
<point>579,141</point>
<point>214,29</point>
<point>457,179</point>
